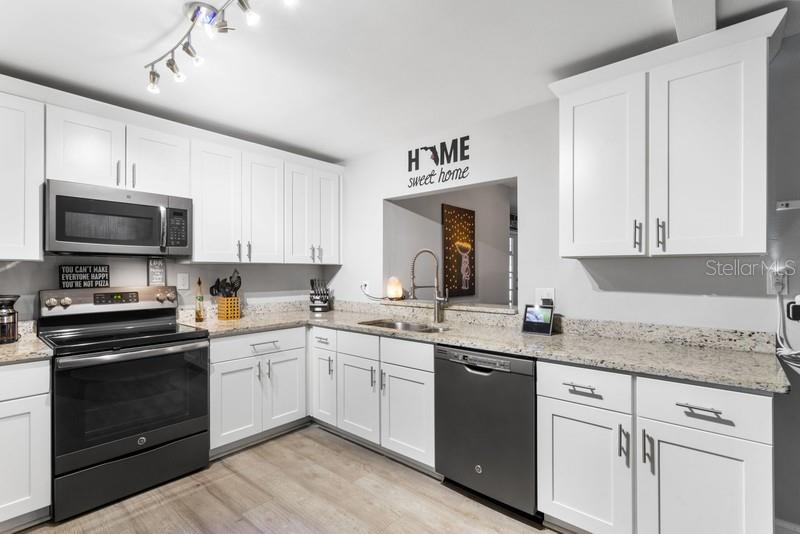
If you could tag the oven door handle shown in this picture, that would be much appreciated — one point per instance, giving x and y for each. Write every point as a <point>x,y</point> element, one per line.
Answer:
<point>76,362</point>
<point>163,241</point>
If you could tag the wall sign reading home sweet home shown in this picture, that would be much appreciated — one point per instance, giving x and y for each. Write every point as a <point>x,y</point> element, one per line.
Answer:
<point>83,276</point>
<point>438,163</point>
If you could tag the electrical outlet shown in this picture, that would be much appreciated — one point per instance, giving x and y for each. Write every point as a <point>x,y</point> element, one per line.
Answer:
<point>365,285</point>
<point>545,293</point>
<point>777,282</point>
<point>183,281</point>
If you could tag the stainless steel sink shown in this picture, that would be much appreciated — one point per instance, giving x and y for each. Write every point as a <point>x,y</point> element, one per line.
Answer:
<point>405,326</point>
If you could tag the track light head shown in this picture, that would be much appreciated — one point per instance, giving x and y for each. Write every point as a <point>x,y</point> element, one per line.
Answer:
<point>251,16</point>
<point>222,24</point>
<point>172,65</point>
<point>153,78</point>
<point>190,51</point>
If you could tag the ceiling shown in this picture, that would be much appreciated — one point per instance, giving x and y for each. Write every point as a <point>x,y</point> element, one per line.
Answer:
<point>337,78</point>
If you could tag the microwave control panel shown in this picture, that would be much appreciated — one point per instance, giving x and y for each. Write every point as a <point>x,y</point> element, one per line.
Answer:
<point>177,228</point>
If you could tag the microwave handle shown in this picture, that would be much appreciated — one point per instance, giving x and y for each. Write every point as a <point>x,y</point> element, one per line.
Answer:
<point>163,240</point>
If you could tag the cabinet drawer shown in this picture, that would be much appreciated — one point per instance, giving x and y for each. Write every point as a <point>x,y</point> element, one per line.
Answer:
<point>732,413</point>
<point>592,387</point>
<point>323,338</point>
<point>24,380</point>
<point>354,344</point>
<point>407,353</point>
<point>244,346</point>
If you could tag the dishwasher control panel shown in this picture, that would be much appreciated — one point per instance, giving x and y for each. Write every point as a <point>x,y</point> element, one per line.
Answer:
<point>487,362</point>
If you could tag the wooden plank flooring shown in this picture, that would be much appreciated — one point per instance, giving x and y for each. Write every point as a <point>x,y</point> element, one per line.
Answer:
<point>309,481</point>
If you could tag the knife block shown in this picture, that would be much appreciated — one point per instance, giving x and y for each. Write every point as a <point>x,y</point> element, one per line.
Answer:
<point>228,308</point>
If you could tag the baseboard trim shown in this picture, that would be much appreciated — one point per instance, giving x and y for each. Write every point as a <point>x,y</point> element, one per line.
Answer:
<point>31,519</point>
<point>230,448</point>
<point>786,527</point>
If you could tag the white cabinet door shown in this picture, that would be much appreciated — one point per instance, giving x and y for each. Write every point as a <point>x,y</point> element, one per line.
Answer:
<point>326,200</point>
<point>602,184</point>
<point>236,400</point>
<point>21,177</point>
<point>217,195</point>
<point>322,366</point>
<point>84,148</point>
<point>708,153</point>
<point>262,208</point>
<point>157,162</point>
<point>692,481</point>
<point>284,378</point>
<point>301,218</point>
<point>407,422</point>
<point>24,456</point>
<point>359,402</point>
<point>585,472</point>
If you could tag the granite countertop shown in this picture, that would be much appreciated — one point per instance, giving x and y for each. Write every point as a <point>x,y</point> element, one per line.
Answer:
<point>29,348</point>
<point>717,367</point>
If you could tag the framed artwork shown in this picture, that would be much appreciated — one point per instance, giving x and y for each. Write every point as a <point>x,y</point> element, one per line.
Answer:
<point>458,250</point>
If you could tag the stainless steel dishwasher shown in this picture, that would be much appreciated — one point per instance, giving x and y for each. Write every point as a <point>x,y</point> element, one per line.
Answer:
<point>486,424</point>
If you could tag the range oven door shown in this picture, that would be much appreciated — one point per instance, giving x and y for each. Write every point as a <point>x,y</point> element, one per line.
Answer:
<point>108,405</point>
<point>89,219</point>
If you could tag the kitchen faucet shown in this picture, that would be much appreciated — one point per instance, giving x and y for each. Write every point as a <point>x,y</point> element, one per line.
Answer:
<point>438,300</point>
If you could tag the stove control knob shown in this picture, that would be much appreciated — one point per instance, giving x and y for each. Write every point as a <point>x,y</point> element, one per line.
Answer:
<point>52,302</point>
<point>171,296</point>
<point>159,297</point>
<point>66,302</point>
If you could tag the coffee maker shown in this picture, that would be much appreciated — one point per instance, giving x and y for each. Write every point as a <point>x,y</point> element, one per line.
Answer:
<point>8,319</point>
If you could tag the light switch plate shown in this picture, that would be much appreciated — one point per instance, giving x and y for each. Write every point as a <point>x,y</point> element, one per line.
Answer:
<point>183,281</point>
<point>545,293</point>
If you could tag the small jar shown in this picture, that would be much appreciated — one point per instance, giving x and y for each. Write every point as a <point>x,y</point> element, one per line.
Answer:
<point>8,319</point>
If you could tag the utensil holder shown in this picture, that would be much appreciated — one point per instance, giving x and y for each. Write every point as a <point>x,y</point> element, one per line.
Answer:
<point>228,308</point>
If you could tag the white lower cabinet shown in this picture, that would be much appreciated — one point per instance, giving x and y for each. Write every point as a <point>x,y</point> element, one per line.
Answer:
<point>407,418</point>
<point>584,457</point>
<point>284,388</point>
<point>359,402</point>
<point>322,383</point>
<point>236,401</point>
<point>252,393</point>
<point>693,481</point>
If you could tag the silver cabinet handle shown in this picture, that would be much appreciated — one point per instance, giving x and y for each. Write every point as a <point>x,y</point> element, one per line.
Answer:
<point>637,235</point>
<point>258,369</point>
<point>319,254</point>
<point>371,376</point>
<point>661,234</point>
<point>133,174</point>
<point>239,250</point>
<point>269,369</point>
<point>626,450</point>
<point>119,171</point>
<point>645,454</point>
<point>694,407</point>
<point>330,366</point>
<point>322,340</point>
<point>273,342</point>
<point>619,437</point>
<point>249,251</point>
<point>383,380</point>
<point>313,258</point>
<point>573,385</point>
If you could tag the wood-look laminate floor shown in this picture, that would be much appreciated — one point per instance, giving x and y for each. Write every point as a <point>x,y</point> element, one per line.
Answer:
<point>309,481</point>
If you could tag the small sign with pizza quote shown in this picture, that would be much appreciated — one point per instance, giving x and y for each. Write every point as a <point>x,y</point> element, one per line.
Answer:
<point>83,276</point>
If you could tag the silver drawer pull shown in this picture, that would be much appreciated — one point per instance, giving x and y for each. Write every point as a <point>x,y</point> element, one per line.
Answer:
<point>693,407</point>
<point>254,345</point>
<point>573,385</point>
<point>323,340</point>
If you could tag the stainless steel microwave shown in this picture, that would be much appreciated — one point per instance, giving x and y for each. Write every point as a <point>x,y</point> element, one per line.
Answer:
<point>91,219</point>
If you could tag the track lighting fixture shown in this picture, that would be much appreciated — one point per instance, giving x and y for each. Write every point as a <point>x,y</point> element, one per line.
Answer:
<point>213,21</point>
<point>153,77</point>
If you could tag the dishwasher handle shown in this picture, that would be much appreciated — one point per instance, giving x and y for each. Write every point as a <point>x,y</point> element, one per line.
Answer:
<point>478,370</point>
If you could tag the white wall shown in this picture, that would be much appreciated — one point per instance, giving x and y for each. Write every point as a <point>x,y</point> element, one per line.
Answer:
<point>416,223</point>
<point>258,281</point>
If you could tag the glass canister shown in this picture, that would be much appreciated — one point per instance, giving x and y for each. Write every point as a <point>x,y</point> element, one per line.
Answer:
<point>8,319</point>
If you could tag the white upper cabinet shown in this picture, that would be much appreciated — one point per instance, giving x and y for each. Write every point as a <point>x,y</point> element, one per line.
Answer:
<point>262,208</point>
<point>326,186</point>
<point>603,160</point>
<point>85,148</point>
<point>302,220</point>
<point>708,153</point>
<point>21,177</point>
<point>666,153</point>
<point>217,195</point>
<point>157,162</point>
